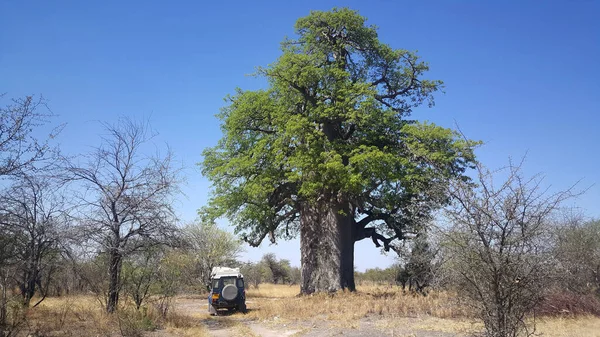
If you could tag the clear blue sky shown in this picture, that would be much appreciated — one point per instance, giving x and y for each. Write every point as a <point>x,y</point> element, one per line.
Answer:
<point>523,76</point>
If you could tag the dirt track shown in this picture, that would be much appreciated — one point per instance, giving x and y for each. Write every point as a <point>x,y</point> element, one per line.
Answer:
<point>238,324</point>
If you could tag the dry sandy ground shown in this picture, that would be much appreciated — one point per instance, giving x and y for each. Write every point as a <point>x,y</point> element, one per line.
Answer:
<point>237,324</point>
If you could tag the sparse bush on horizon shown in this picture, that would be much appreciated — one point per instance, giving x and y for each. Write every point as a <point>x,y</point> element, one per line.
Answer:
<point>577,251</point>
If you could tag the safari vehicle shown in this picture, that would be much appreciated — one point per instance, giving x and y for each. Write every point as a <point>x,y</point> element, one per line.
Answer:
<point>226,290</point>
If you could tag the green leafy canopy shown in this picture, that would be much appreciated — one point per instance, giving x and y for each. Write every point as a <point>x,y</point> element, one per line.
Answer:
<point>333,123</point>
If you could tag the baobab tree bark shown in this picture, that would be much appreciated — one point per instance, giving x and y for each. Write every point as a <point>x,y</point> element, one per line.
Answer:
<point>327,247</point>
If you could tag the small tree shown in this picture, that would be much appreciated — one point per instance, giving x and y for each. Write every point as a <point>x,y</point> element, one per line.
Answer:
<point>418,271</point>
<point>140,273</point>
<point>171,277</point>
<point>498,245</point>
<point>125,197</point>
<point>295,276</point>
<point>210,247</point>
<point>255,273</point>
<point>33,211</point>
<point>280,269</point>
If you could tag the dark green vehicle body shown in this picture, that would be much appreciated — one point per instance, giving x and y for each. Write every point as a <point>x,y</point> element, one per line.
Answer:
<point>226,291</point>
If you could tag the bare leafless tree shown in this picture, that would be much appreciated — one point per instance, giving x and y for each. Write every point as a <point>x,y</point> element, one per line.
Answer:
<point>33,212</point>
<point>498,246</point>
<point>125,196</point>
<point>19,148</point>
<point>20,151</point>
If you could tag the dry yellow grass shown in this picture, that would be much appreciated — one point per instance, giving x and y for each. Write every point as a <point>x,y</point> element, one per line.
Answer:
<point>269,290</point>
<point>244,331</point>
<point>197,331</point>
<point>388,308</point>
<point>393,309</point>
<point>71,315</point>
<point>547,327</point>
<point>85,316</point>
<point>569,327</point>
<point>281,301</point>
<point>460,326</point>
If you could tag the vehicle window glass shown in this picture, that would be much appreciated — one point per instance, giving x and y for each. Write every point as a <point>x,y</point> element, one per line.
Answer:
<point>240,283</point>
<point>228,280</point>
<point>215,283</point>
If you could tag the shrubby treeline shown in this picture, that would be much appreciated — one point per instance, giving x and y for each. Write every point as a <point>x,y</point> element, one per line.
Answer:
<point>97,223</point>
<point>509,249</point>
<point>102,223</point>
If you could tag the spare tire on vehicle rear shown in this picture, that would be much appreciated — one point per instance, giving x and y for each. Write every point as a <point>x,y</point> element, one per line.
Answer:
<point>229,292</point>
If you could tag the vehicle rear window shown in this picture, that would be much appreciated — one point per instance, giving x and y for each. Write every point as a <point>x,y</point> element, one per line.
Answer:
<point>240,283</point>
<point>228,280</point>
<point>215,283</point>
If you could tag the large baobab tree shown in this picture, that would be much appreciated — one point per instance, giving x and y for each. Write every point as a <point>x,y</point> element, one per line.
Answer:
<point>328,149</point>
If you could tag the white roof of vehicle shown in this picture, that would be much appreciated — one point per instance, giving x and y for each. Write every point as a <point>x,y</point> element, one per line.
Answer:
<point>218,272</point>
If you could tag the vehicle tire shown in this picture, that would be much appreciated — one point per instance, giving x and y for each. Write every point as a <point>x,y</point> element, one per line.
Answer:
<point>242,308</point>
<point>229,292</point>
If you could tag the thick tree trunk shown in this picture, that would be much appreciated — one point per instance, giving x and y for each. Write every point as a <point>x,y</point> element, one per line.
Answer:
<point>29,286</point>
<point>29,278</point>
<point>327,247</point>
<point>114,271</point>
